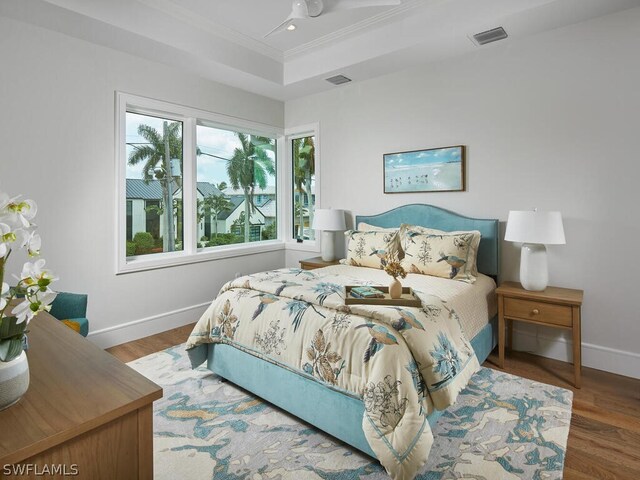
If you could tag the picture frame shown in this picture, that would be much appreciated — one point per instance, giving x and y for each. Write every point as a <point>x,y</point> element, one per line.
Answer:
<point>439,169</point>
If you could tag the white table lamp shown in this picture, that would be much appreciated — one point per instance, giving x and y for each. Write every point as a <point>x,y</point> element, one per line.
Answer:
<point>329,221</point>
<point>534,230</point>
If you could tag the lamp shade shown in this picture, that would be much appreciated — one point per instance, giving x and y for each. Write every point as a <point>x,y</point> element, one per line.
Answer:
<point>532,226</point>
<point>329,220</point>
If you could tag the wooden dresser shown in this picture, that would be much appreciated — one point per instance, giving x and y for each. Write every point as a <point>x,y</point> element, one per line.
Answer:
<point>85,412</point>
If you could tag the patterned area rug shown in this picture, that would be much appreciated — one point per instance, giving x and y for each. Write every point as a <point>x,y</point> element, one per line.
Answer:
<point>501,427</point>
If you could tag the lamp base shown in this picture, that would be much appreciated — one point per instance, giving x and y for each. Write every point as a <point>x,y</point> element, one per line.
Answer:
<point>534,273</point>
<point>328,248</point>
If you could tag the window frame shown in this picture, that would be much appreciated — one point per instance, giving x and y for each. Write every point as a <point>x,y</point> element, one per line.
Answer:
<point>290,134</point>
<point>189,117</point>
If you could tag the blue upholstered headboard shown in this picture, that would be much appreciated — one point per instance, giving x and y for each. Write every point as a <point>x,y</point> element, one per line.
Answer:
<point>435,217</point>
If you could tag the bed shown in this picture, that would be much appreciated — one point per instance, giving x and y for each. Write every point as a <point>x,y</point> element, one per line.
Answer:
<point>321,403</point>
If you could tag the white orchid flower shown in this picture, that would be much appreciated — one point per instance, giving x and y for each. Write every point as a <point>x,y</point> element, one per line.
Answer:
<point>5,200</point>
<point>32,241</point>
<point>6,237</point>
<point>18,213</point>
<point>4,289</point>
<point>23,311</point>
<point>17,231</point>
<point>33,305</point>
<point>35,277</point>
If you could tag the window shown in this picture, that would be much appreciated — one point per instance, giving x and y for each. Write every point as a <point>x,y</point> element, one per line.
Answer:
<point>192,185</point>
<point>303,153</point>
<point>153,178</point>
<point>236,178</point>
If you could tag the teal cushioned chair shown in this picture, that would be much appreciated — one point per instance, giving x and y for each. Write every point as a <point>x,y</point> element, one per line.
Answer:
<point>71,308</point>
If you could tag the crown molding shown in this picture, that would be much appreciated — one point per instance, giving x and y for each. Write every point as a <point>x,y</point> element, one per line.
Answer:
<point>334,37</point>
<point>222,31</point>
<point>170,8</point>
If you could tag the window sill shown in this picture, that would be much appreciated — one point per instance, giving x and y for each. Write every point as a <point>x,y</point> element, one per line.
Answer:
<point>164,260</point>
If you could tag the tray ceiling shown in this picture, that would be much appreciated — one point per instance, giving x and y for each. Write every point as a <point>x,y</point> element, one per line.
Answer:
<point>224,39</point>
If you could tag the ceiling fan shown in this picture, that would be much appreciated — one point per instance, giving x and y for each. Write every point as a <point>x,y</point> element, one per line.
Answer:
<point>306,9</point>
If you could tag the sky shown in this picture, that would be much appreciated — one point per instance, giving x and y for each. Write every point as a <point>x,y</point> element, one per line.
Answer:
<point>422,157</point>
<point>212,141</point>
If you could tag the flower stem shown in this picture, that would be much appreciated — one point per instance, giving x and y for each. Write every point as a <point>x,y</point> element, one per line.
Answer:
<point>2,262</point>
<point>11,296</point>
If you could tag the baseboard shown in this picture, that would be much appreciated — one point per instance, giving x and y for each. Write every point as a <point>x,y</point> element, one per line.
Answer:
<point>594,356</point>
<point>126,332</point>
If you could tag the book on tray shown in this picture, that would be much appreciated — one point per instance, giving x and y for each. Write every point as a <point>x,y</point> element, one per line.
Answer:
<point>366,292</point>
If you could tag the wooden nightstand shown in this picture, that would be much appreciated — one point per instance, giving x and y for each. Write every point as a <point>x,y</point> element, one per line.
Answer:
<point>316,262</point>
<point>553,307</point>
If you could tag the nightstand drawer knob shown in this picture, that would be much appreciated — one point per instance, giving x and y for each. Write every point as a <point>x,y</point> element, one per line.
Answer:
<point>535,311</point>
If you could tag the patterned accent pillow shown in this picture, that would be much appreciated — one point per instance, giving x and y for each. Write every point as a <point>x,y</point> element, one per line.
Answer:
<point>369,249</point>
<point>403,239</point>
<point>447,255</point>
<point>394,247</point>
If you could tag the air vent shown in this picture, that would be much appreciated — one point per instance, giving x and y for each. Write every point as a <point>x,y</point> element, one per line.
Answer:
<point>338,80</point>
<point>489,36</point>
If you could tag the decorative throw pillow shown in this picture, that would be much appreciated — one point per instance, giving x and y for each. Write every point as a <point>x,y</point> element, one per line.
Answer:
<point>394,247</point>
<point>447,255</point>
<point>72,325</point>
<point>404,239</point>
<point>369,249</point>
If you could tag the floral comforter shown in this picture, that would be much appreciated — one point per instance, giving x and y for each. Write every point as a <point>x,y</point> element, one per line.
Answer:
<point>402,362</point>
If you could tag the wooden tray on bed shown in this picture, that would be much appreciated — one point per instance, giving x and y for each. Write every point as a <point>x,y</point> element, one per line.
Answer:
<point>408,298</point>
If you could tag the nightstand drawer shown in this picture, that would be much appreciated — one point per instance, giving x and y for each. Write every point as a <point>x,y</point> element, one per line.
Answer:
<point>538,311</point>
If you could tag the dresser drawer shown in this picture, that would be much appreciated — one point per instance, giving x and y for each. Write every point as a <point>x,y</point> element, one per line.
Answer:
<point>538,311</point>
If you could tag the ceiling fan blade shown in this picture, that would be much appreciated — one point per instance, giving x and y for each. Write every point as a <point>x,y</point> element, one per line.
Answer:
<point>281,28</point>
<point>351,4</point>
<point>299,9</point>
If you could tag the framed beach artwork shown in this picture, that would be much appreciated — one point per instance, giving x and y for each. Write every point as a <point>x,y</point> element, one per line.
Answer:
<point>431,170</point>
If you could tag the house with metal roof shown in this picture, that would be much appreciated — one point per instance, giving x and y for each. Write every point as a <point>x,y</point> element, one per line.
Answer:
<point>229,220</point>
<point>260,195</point>
<point>144,198</point>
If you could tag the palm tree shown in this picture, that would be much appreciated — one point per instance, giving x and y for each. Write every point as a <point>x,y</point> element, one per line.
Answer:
<point>304,166</point>
<point>298,185</point>
<point>215,205</point>
<point>157,155</point>
<point>248,168</point>
<point>299,211</point>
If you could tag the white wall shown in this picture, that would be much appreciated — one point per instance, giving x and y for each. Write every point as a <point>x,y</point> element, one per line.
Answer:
<point>57,136</point>
<point>549,122</point>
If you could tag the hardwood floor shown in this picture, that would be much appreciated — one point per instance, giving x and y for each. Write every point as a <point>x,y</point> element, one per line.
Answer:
<point>148,345</point>
<point>604,440</point>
